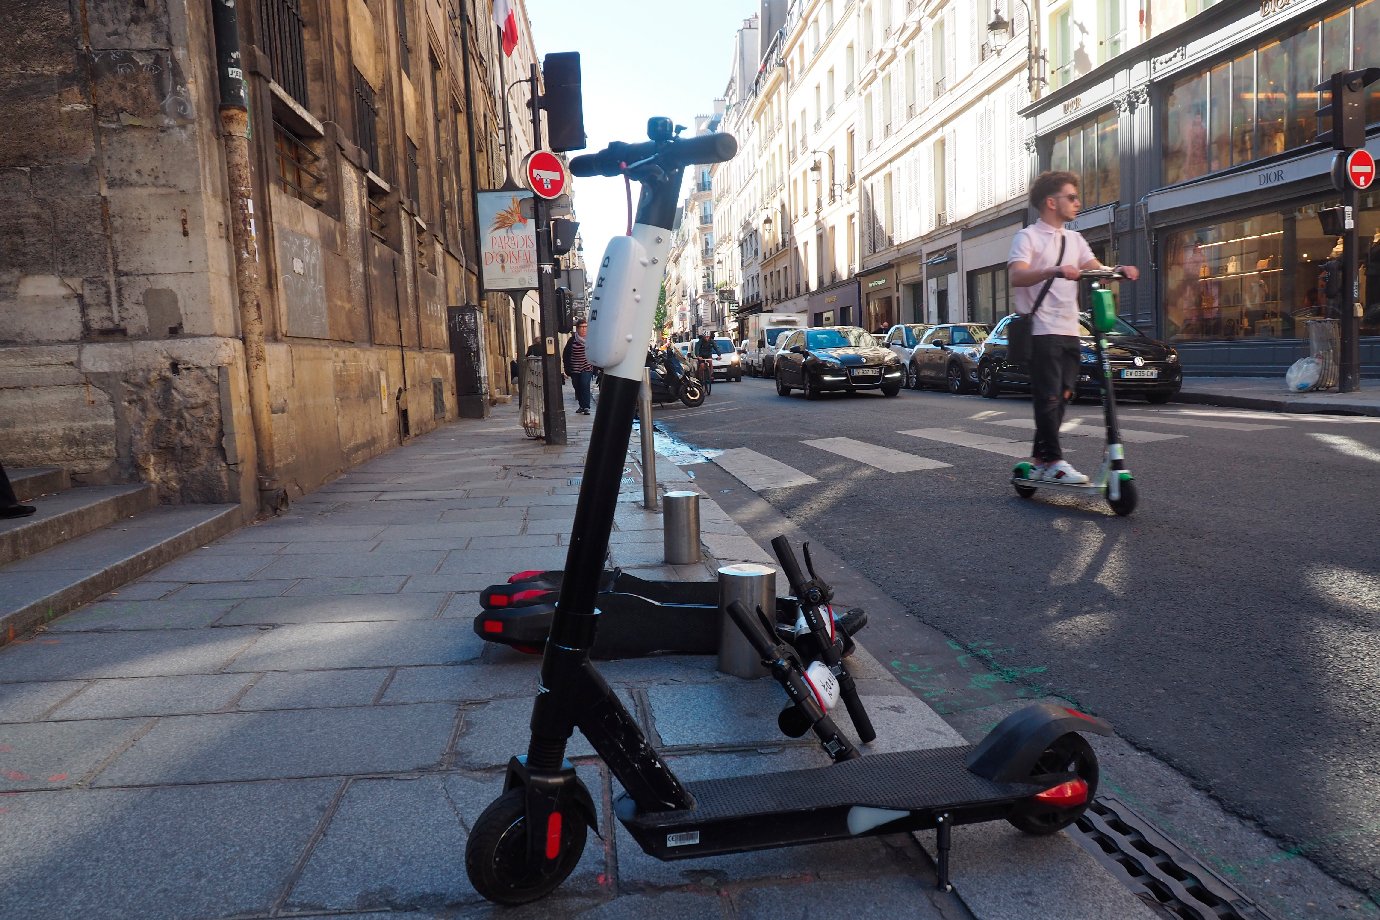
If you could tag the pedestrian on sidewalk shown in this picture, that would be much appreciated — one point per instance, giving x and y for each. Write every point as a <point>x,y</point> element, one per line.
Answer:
<point>578,368</point>
<point>1048,255</point>
<point>9,503</point>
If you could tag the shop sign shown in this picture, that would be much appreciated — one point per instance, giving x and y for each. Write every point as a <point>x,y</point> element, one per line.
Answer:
<point>880,282</point>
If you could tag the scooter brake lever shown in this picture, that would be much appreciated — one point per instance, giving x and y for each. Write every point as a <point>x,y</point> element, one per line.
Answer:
<point>814,576</point>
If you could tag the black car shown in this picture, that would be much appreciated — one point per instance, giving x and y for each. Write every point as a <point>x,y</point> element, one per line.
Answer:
<point>838,358</point>
<point>1140,364</point>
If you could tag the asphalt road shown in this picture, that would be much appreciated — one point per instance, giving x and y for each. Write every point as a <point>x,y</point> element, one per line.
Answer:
<point>1230,627</point>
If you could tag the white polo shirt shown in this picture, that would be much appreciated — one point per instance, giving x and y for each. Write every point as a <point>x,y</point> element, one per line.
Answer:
<point>1038,247</point>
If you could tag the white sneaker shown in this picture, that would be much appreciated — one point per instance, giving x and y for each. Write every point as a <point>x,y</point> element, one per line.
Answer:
<point>1060,471</point>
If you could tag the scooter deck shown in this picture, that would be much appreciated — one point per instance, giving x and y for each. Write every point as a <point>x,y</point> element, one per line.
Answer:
<point>876,794</point>
<point>633,627</point>
<point>617,581</point>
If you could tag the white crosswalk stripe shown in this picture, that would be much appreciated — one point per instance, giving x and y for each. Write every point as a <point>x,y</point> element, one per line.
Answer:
<point>758,471</point>
<point>990,443</point>
<point>1199,423</point>
<point>1075,428</point>
<point>883,458</point>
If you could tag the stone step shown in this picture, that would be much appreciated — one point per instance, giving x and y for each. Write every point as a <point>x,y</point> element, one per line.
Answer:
<point>71,514</point>
<point>31,482</point>
<point>35,590</point>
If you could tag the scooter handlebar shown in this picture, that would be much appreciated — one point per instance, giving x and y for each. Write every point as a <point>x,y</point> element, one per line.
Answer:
<point>790,566</point>
<point>673,154</point>
<point>761,643</point>
<point>1101,274</point>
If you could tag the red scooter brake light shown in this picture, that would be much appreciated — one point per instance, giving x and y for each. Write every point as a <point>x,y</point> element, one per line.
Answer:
<point>493,626</point>
<point>523,576</point>
<point>1065,795</point>
<point>528,595</point>
<point>498,600</point>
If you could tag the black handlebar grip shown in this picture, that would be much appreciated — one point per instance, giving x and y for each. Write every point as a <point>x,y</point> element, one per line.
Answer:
<point>789,565</point>
<point>610,160</point>
<point>759,641</point>
<point>706,148</point>
<point>848,689</point>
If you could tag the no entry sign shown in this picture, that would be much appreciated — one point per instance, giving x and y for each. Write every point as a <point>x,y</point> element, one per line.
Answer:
<point>546,175</point>
<point>1360,168</point>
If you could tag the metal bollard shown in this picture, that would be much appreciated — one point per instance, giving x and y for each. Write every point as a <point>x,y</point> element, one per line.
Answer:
<point>681,528</point>
<point>755,586</point>
<point>644,415</point>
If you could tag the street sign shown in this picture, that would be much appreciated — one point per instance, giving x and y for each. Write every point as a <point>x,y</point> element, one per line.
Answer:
<point>545,174</point>
<point>1360,168</point>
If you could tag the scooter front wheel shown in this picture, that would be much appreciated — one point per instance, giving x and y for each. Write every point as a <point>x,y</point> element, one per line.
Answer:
<point>1070,753</point>
<point>497,859</point>
<point>1125,504</point>
<point>693,394</point>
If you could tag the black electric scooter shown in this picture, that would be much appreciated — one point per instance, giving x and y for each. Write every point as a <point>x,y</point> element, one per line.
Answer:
<point>1113,479</point>
<point>671,380</point>
<point>1033,769</point>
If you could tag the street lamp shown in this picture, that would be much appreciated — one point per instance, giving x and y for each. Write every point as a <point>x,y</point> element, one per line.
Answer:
<point>1002,31</point>
<point>818,171</point>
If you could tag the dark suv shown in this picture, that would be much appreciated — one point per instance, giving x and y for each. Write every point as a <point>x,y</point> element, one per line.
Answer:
<point>1140,364</point>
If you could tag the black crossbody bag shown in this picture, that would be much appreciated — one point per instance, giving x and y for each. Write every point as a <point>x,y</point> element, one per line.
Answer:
<point>1019,330</point>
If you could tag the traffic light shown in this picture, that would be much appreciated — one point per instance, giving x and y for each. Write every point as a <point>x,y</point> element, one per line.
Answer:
<point>563,232</point>
<point>565,310</point>
<point>565,114</point>
<point>1342,120</point>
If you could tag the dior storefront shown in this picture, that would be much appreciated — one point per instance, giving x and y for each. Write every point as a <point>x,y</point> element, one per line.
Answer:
<point>1198,163</point>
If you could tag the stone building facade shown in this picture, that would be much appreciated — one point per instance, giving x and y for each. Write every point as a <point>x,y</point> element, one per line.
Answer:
<point>122,321</point>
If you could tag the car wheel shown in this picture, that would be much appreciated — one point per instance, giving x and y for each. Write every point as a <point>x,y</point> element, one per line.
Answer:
<point>953,378</point>
<point>1158,399</point>
<point>989,384</point>
<point>891,389</point>
<point>781,388</point>
<point>811,387</point>
<point>912,377</point>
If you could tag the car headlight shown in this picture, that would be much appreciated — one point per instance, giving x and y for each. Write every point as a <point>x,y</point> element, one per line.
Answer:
<point>733,358</point>
<point>1173,357</point>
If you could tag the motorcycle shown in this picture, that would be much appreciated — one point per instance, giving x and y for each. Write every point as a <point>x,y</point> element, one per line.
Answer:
<point>670,379</point>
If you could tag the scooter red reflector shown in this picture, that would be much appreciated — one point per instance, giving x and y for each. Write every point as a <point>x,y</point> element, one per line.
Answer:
<point>528,595</point>
<point>523,576</point>
<point>553,835</point>
<point>493,626</point>
<point>1065,795</point>
<point>498,600</point>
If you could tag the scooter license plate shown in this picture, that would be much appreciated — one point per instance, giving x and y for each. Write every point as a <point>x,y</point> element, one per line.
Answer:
<point>1143,373</point>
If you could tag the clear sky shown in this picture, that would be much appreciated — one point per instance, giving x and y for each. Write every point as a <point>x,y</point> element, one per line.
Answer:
<point>638,58</point>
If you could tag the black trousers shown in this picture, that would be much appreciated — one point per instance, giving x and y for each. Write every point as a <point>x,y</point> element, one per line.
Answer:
<point>7,498</point>
<point>1053,372</point>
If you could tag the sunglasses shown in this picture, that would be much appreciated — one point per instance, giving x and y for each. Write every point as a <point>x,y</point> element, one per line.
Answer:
<point>1069,197</point>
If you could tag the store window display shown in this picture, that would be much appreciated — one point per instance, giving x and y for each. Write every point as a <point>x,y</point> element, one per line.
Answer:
<point>1265,276</point>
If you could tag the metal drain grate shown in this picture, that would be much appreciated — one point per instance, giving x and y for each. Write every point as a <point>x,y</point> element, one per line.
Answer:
<point>1156,868</point>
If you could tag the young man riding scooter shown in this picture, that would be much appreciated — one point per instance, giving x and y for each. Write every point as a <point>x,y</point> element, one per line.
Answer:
<point>1044,263</point>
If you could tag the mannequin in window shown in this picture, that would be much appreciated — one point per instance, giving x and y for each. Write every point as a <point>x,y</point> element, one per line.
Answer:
<point>1330,283</point>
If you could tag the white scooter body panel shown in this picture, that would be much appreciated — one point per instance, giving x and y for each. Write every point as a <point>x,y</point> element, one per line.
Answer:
<point>624,301</point>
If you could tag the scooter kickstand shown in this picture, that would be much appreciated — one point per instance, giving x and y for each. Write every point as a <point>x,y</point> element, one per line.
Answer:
<point>943,834</point>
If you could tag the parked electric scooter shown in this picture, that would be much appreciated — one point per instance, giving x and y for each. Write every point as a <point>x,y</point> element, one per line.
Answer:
<point>1113,479</point>
<point>671,380</point>
<point>1033,769</point>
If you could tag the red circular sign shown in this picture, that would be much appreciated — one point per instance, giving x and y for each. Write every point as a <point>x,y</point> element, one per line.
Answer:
<point>1360,168</point>
<point>545,174</point>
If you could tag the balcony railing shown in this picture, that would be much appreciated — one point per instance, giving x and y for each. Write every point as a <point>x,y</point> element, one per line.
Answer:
<point>941,218</point>
<point>298,167</point>
<point>366,121</point>
<point>939,87</point>
<point>848,91</point>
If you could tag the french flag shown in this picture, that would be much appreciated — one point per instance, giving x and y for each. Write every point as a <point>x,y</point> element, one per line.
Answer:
<point>506,21</point>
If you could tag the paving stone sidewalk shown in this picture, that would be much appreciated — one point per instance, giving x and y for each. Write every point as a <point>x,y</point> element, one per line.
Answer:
<point>299,721</point>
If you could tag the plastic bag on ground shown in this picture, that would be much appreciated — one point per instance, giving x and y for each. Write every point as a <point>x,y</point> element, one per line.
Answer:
<point>1303,375</point>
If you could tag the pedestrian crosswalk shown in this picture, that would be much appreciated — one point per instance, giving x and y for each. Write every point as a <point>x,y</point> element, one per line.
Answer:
<point>989,432</point>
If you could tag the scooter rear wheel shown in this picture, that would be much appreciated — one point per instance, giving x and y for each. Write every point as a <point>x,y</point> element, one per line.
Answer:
<point>496,857</point>
<point>1070,753</point>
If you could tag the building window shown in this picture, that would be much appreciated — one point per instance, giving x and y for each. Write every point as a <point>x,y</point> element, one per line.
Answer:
<point>366,121</point>
<point>299,166</point>
<point>1062,47</point>
<point>280,37</point>
<point>989,294</point>
<point>404,43</point>
<point>1112,30</point>
<point>1091,150</point>
<point>414,177</point>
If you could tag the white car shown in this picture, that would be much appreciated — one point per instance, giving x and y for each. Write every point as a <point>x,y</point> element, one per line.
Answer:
<point>727,362</point>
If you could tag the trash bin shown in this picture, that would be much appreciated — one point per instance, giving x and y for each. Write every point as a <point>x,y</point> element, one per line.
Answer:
<point>755,586</point>
<point>1324,343</point>
<point>533,396</point>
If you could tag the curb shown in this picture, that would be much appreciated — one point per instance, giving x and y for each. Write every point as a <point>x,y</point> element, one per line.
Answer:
<point>1281,404</point>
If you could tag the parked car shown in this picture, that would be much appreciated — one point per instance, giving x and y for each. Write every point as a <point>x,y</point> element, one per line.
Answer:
<point>1140,364</point>
<point>902,339</point>
<point>835,358</point>
<point>946,356</point>
<point>727,362</point>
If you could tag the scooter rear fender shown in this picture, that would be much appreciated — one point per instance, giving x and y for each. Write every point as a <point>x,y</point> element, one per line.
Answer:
<point>1009,752</point>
